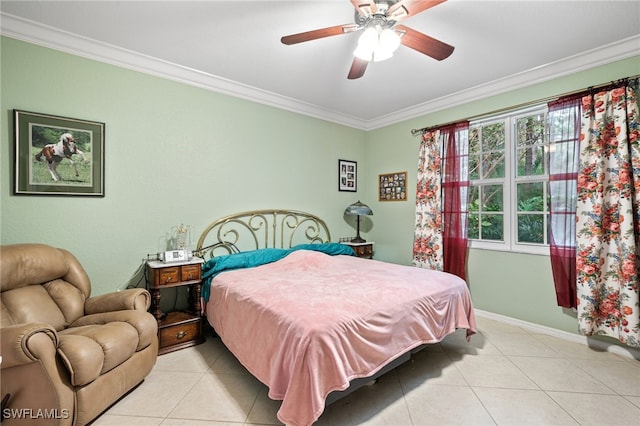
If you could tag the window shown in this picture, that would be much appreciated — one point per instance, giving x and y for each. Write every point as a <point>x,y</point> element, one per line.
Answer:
<point>509,182</point>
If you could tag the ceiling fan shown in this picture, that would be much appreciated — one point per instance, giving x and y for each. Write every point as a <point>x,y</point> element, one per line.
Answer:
<point>382,35</point>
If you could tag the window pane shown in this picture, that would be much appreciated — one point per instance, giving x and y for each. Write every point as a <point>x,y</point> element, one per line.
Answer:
<point>530,130</point>
<point>530,145</point>
<point>486,151</point>
<point>493,165</point>
<point>474,153</point>
<point>474,199</point>
<point>492,198</point>
<point>492,227</point>
<point>493,136</point>
<point>474,167</point>
<point>530,161</point>
<point>474,225</point>
<point>531,228</point>
<point>531,197</point>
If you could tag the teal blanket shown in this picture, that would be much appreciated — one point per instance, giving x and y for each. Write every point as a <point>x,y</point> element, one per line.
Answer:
<point>250,259</point>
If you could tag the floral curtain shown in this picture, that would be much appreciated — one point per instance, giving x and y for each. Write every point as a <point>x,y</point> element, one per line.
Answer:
<point>564,151</point>
<point>427,240</point>
<point>608,216</point>
<point>455,188</point>
<point>440,236</point>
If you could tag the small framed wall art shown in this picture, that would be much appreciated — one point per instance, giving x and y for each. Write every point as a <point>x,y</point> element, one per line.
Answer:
<point>58,155</point>
<point>392,186</point>
<point>347,175</point>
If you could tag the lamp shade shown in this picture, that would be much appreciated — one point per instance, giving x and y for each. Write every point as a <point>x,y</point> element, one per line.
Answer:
<point>389,40</point>
<point>367,44</point>
<point>359,209</point>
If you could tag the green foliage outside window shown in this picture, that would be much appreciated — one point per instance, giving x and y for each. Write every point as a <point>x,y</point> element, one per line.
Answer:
<point>490,182</point>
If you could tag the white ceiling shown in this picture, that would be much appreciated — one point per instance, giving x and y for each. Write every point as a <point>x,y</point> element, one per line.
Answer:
<point>234,47</point>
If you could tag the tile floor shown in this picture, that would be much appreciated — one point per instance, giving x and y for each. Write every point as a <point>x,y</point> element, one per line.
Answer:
<point>506,376</point>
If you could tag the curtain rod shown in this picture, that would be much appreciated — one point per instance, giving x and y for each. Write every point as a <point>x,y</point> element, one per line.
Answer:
<point>625,80</point>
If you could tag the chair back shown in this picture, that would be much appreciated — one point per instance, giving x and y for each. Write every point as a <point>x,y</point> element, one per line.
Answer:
<point>40,283</point>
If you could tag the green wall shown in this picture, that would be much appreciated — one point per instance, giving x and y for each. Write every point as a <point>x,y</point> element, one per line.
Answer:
<point>511,284</point>
<point>174,154</point>
<point>179,154</point>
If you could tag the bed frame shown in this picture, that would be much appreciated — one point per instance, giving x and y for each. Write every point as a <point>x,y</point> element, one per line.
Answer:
<point>257,229</point>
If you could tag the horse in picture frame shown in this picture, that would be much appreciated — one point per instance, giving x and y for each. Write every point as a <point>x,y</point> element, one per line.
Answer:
<point>56,152</point>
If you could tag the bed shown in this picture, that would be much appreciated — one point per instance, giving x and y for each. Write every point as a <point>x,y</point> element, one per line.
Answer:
<point>311,320</point>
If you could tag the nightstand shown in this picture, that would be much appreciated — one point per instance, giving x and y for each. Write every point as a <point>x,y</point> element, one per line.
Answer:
<point>176,330</point>
<point>364,250</point>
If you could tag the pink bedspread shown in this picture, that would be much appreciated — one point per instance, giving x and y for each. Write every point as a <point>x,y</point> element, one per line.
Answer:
<point>308,324</point>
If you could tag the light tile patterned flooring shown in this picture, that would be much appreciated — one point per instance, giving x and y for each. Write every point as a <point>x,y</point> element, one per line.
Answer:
<point>506,376</point>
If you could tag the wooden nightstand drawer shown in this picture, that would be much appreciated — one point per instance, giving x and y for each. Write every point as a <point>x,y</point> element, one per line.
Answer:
<point>171,275</point>
<point>364,250</point>
<point>190,272</point>
<point>168,275</point>
<point>179,330</point>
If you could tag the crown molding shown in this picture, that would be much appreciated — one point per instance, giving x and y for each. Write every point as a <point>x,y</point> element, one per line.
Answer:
<point>603,55</point>
<point>54,38</point>
<point>47,36</point>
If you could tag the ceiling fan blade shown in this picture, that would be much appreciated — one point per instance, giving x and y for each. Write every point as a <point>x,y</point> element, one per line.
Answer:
<point>406,8</point>
<point>358,67</point>
<point>424,44</point>
<point>365,7</point>
<point>320,33</point>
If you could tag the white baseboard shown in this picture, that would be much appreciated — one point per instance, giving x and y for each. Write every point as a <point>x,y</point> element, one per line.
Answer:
<point>618,349</point>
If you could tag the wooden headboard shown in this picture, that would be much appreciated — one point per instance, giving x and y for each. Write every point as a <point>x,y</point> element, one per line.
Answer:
<point>260,229</point>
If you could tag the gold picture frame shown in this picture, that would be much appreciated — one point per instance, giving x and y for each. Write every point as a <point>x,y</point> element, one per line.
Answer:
<point>392,186</point>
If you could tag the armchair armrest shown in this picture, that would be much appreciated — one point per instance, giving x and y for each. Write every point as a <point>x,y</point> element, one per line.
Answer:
<point>136,298</point>
<point>25,343</point>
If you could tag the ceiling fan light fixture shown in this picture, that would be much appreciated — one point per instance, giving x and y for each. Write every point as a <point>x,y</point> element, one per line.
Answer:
<point>377,44</point>
<point>381,55</point>
<point>369,39</point>
<point>364,54</point>
<point>367,44</point>
<point>389,40</point>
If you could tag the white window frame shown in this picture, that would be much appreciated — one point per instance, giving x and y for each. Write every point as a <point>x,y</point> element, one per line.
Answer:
<point>510,181</point>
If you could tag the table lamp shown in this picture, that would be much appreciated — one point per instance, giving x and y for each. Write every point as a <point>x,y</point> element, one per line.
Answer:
<point>358,209</point>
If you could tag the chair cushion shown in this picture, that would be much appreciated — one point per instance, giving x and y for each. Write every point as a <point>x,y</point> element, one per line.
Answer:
<point>91,350</point>
<point>144,323</point>
<point>31,304</point>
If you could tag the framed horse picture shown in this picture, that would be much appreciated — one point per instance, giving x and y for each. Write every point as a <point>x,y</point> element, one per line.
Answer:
<point>58,155</point>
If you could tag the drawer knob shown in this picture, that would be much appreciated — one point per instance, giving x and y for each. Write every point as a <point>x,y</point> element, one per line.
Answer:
<point>181,334</point>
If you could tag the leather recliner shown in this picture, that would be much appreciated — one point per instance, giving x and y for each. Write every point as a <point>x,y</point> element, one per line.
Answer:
<point>66,356</point>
